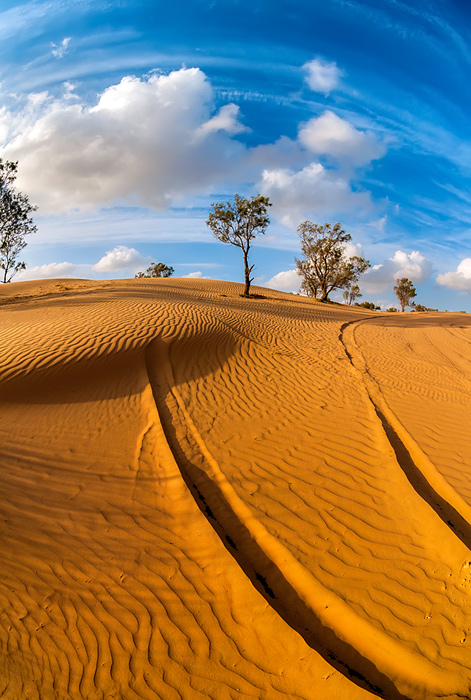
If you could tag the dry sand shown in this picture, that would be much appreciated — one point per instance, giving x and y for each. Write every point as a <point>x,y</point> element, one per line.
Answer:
<point>204,496</point>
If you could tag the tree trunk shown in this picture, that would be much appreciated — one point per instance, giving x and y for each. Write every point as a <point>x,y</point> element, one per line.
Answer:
<point>247,271</point>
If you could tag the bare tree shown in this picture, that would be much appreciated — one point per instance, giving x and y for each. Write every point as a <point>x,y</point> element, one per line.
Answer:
<point>15,221</point>
<point>405,291</point>
<point>325,266</point>
<point>238,223</point>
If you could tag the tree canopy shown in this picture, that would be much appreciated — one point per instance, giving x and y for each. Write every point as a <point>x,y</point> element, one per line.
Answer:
<point>325,266</point>
<point>405,291</point>
<point>351,293</point>
<point>238,223</point>
<point>156,270</point>
<point>15,221</point>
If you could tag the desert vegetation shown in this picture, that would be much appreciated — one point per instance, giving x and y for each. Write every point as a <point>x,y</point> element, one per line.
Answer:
<point>325,266</point>
<point>238,223</point>
<point>15,221</point>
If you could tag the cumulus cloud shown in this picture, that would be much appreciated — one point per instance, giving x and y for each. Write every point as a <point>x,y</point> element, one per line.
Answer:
<point>198,275</point>
<point>287,280</point>
<point>322,76</point>
<point>297,195</point>
<point>146,141</point>
<point>120,258</point>
<point>329,135</point>
<point>63,269</point>
<point>352,249</point>
<point>460,280</point>
<point>412,265</point>
<point>227,119</point>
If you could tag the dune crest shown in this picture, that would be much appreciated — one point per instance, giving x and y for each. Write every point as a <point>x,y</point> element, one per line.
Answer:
<point>213,497</point>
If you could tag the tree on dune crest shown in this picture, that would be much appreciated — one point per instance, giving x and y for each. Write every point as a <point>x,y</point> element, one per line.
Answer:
<point>15,221</point>
<point>325,266</point>
<point>351,293</point>
<point>238,223</point>
<point>405,291</point>
<point>156,270</point>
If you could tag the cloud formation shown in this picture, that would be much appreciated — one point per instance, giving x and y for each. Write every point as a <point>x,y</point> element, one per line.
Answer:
<point>151,142</point>
<point>412,265</point>
<point>63,269</point>
<point>120,258</point>
<point>146,141</point>
<point>59,50</point>
<point>460,280</point>
<point>296,195</point>
<point>322,76</point>
<point>198,275</point>
<point>329,135</point>
<point>287,280</point>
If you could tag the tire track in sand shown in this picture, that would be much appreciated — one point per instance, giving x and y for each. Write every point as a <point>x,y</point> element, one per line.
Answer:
<point>420,471</point>
<point>363,653</point>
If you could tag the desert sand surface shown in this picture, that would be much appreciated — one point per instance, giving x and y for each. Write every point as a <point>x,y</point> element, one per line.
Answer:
<point>205,496</point>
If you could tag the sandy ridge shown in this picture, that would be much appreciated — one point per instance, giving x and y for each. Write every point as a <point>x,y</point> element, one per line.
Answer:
<point>424,679</point>
<point>443,490</point>
<point>161,445</point>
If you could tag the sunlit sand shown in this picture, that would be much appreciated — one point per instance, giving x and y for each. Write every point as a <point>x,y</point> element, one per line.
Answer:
<point>205,496</point>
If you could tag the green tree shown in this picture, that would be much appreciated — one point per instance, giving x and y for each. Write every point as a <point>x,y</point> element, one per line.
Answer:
<point>351,293</point>
<point>238,223</point>
<point>156,270</point>
<point>421,307</point>
<point>369,305</point>
<point>325,266</point>
<point>15,221</point>
<point>405,291</point>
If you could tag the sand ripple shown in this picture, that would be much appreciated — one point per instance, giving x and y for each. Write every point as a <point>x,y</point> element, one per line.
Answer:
<point>211,497</point>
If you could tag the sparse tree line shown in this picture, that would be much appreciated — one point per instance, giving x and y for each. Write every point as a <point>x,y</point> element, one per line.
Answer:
<point>324,266</point>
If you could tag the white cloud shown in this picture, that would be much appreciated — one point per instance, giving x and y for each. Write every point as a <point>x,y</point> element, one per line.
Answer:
<point>412,265</point>
<point>227,119</point>
<point>352,249</point>
<point>287,280</point>
<point>461,279</point>
<point>147,142</point>
<point>322,76</point>
<point>120,258</point>
<point>380,224</point>
<point>59,50</point>
<point>63,269</point>
<point>198,275</point>
<point>312,191</point>
<point>329,135</point>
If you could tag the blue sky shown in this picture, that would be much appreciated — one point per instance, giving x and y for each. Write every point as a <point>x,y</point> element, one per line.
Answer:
<point>128,118</point>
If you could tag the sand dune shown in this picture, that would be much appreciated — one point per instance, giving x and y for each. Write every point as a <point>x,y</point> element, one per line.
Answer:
<point>205,496</point>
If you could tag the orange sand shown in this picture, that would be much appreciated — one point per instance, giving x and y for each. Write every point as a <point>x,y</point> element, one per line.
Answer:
<point>204,496</point>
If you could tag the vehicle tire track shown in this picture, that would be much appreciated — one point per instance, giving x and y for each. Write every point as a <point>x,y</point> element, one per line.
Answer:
<point>364,654</point>
<point>421,473</point>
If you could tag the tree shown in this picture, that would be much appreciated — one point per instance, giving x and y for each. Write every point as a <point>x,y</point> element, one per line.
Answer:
<point>238,223</point>
<point>420,307</point>
<point>351,293</point>
<point>325,266</point>
<point>369,305</point>
<point>156,270</point>
<point>405,291</point>
<point>15,221</point>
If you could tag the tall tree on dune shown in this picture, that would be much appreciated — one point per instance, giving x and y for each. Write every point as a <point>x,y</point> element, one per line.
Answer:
<point>15,221</point>
<point>238,223</point>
